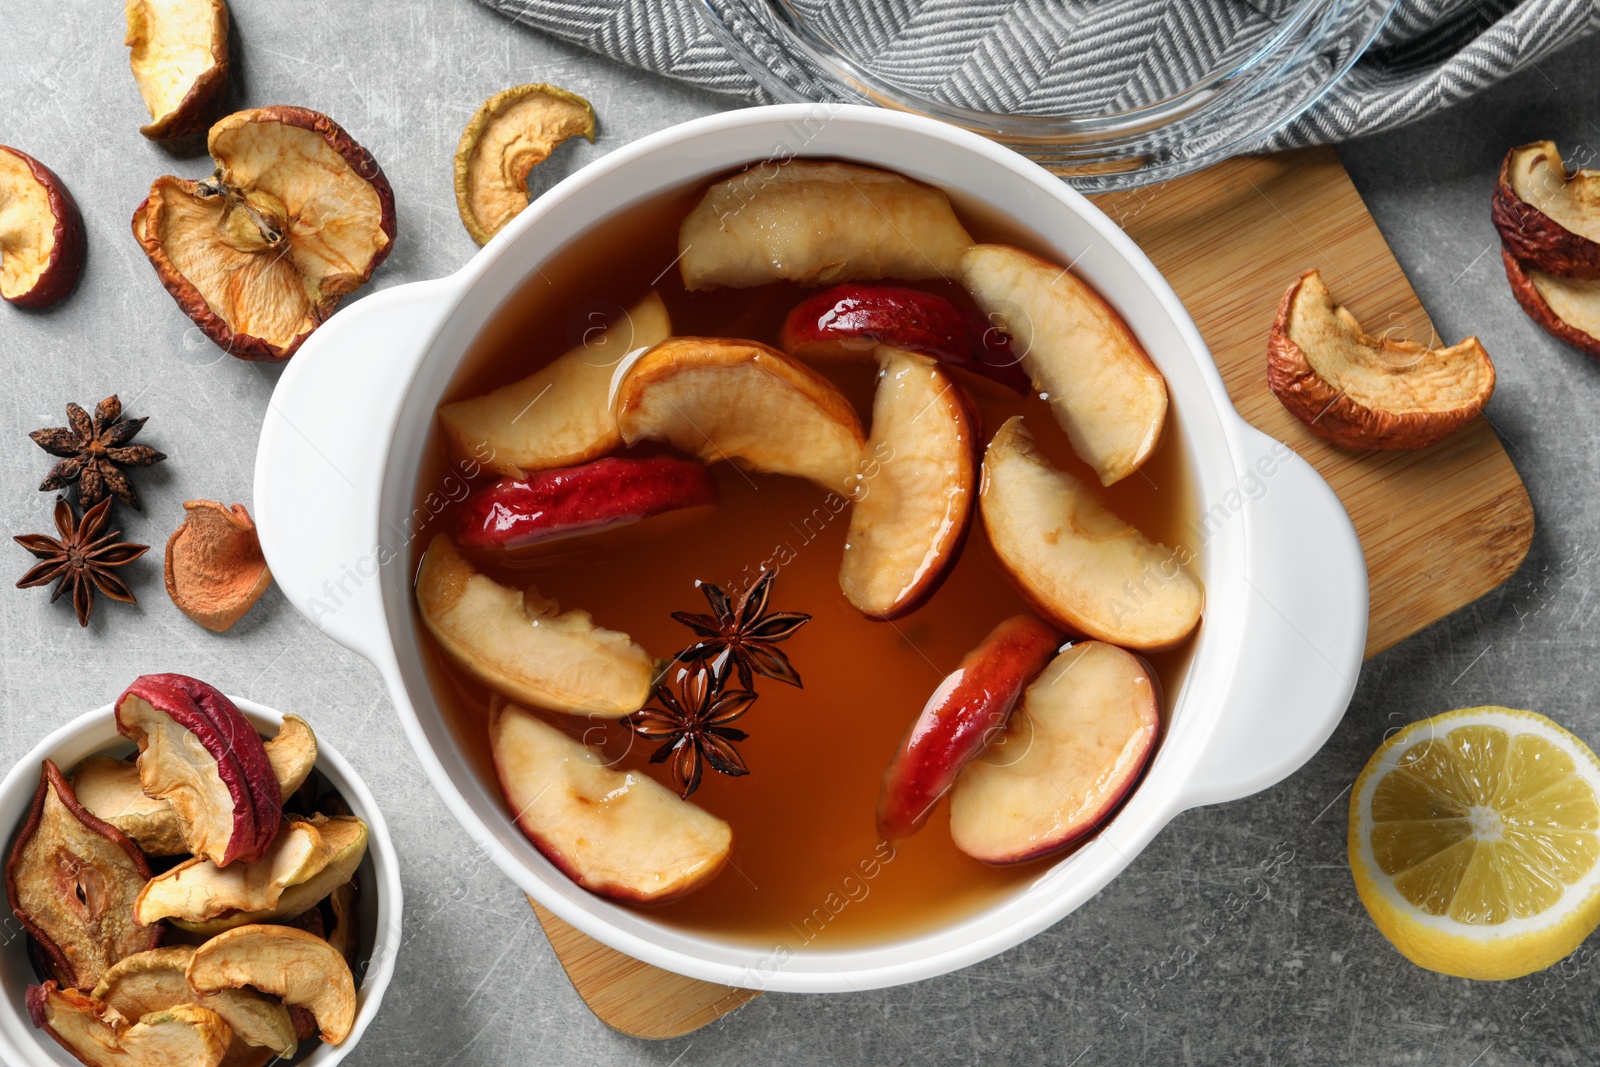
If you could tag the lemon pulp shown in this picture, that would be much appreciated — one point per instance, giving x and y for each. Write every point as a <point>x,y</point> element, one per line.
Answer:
<point>1475,842</point>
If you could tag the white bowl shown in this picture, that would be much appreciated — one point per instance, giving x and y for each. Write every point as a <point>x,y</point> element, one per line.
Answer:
<point>1273,668</point>
<point>96,733</point>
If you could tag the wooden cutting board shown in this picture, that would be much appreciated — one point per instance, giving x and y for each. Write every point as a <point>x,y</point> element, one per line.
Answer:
<point>1440,527</point>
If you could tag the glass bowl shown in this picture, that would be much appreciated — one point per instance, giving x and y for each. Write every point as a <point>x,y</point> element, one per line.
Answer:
<point>1110,94</point>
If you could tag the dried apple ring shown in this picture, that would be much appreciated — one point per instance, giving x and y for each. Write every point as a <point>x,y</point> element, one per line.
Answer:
<point>514,131</point>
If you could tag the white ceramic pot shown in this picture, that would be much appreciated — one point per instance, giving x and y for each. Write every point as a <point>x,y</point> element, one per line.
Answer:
<point>1286,608</point>
<point>95,733</point>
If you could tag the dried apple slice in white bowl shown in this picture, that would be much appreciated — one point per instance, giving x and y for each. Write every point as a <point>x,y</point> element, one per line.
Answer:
<point>110,789</point>
<point>377,924</point>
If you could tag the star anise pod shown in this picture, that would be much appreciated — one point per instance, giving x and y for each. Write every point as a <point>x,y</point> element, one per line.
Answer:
<point>692,725</point>
<point>83,558</point>
<point>740,633</point>
<point>94,452</point>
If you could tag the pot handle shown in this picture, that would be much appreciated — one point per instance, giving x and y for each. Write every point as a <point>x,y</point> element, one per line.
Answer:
<point>324,443</point>
<point>1305,626</point>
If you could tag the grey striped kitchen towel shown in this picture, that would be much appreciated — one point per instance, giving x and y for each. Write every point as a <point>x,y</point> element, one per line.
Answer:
<point>1429,55</point>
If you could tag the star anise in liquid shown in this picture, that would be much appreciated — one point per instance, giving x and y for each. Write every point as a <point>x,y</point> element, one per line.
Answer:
<point>740,633</point>
<point>692,725</point>
<point>94,452</point>
<point>82,558</point>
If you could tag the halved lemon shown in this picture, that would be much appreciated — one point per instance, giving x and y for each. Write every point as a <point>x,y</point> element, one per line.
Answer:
<point>1475,842</point>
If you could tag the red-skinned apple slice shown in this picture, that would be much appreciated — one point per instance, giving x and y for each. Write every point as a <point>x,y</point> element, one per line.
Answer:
<point>722,399</point>
<point>966,712</point>
<point>516,513</point>
<point>558,416</point>
<point>199,753</point>
<point>111,790</point>
<point>1548,218</point>
<point>522,646</point>
<point>909,522</point>
<point>1101,385</point>
<point>818,222</point>
<point>849,321</point>
<point>71,880</point>
<point>1568,309</point>
<point>1070,753</point>
<point>615,832</point>
<point>1077,562</point>
<point>41,232</point>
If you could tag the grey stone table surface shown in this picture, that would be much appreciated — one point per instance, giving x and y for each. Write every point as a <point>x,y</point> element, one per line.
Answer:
<point>1182,959</point>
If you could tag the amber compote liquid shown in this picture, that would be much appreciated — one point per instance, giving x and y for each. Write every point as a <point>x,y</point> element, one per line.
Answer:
<point>808,869</point>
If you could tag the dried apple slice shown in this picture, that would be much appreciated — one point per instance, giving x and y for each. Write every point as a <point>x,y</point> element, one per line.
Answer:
<point>1547,217</point>
<point>722,399</point>
<point>558,416</point>
<point>41,232</point>
<point>215,570</point>
<point>514,131</point>
<point>304,970</point>
<point>521,645</point>
<point>1068,756</point>
<point>198,889</point>
<point>344,933</point>
<point>71,880</point>
<point>185,1034</point>
<point>1103,389</point>
<point>292,754</point>
<point>110,790</point>
<point>297,216</point>
<point>343,845</point>
<point>199,753</point>
<point>157,980</point>
<point>1366,392</point>
<point>617,833</point>
<point>908,524</point>
<point>179,55</point>
<point>1568,309</point>
<point>816,223</point>
<point>1077,562</point>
